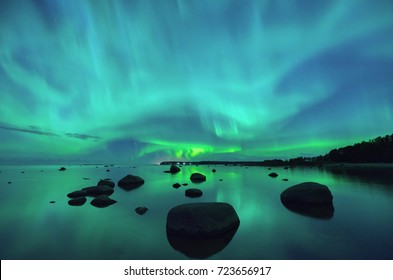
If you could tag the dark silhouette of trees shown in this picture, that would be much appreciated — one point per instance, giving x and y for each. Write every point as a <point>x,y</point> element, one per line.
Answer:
<point>377,150</point>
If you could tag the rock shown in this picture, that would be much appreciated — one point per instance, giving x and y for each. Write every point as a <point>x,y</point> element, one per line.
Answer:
<point>310,199</point>
<point>193,192</point>
<point>62,169</point>
<point>107,170</point>
<point>130,182</point>
<point>206,219</point>
<point>141,210</point>
<point>78,201</point>
<point>176,186</point>
<point>98,190</point>
<point>273,174</point>
<point>185,184</point>
<point>197,178</point>
<point>102,201</point>
<point>77,194</point>
<point>9,182</point>
<point>85,178</point>
<point>220,180</point>
<point>213,170</point>
<point>106,182</point>
<point>174,169</point>
<point>285,179</point>
<point>52,201</point>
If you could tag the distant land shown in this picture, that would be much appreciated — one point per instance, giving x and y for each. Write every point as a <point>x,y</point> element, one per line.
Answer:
<point>377,150</point>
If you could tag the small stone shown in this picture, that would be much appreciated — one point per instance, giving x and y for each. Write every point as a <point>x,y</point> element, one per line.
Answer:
<point>78,201</point>
<point>213,170</point>
<point>193,192</point>
<point>62,169</point>
<point>106,182</point>
<point>130,182</point>
<point>197,178</point>
<point>141,210</point>
<point>77,194</point>
<point>102,201</point>
<point>273,174</point>
<point>176,185</point>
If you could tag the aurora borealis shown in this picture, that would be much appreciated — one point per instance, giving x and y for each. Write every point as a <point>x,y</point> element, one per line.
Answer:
<point>149,80</point>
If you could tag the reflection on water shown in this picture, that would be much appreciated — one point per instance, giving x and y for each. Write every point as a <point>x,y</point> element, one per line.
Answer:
<point>34,228</point>
<point>200,248</point>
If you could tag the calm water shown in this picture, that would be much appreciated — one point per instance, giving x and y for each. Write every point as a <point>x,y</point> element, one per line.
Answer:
<point>33,228</point>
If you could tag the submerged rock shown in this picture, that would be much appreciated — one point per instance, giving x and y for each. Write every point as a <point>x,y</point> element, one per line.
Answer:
<point>213,170</point>
<point>197,177</point>
<point>176,185</point>
<point>130,182</point>
<point>193,192</point>
<point>78,201</point>
<point>62,169</point>
<point>102,201</point>
<point>141,210</point>
<point>310,199</point>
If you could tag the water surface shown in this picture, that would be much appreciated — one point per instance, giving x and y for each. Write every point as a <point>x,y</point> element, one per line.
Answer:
<point>34,228</point>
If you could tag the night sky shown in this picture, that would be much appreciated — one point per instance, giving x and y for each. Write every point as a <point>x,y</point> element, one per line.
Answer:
<point>152,80</point>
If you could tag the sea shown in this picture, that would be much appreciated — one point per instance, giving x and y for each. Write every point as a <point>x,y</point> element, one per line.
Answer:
<point>37,223</point>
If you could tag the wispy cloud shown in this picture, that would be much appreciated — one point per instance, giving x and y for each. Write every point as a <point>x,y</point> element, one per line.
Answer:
<point>31,129</point>
<point>82,136</point>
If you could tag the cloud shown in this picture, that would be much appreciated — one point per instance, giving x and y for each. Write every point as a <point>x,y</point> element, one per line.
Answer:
<point>82,136</point>
<point>30,129</point>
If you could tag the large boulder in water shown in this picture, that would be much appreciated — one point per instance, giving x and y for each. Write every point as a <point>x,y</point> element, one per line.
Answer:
<point>310,199</point>
<point>102,201</point>
<point>197,177</point>
<point>200,230</point>
<point>130,182</point>
<point>206,219</point>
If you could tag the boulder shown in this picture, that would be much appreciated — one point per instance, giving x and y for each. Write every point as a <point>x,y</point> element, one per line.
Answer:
<point>106,182</point>
<point>285,179</point>
<point>102,201</point>
<point>206,219</point>
<point>197,177</point>
<point>174,169</point>
<point>213,170</point>
<point>141,210</point>
<point>62,169</point>
<point>78,201</point>
<point>77,194</point>
<point>185,184</point>
<point>193,192</point>
<point>310,199</point>
<point>273,174</point>
<point>98,190</point>
<point>130,182</point>
<point>176,185</point>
